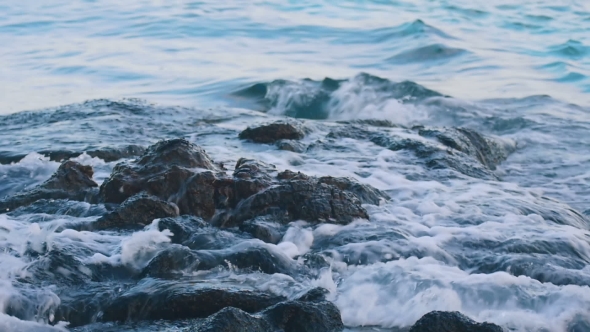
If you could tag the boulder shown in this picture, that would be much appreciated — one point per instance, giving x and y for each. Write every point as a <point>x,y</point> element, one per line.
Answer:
<point>71,181</point>
<point>290,145</point>
<point>181,227</point>
<point>446,321</point>
<point>234,320</point>
<point>270,133</point>
<point>263,229</point>
<point>305,316</point>
<point>161,171</point>
<point>301,199</point>
<point>136,212</point>
<point>170,300</point>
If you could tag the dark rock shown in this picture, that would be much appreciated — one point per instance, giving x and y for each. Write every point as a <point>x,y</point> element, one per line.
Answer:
<point>317,294</point>
<point>273,132</point>
<point>291,145</point>
<point>305,316</point>
<point>71,181</point>
<point>262,229</point>
<point>57,267</point>
<point>176,259</point>
<point>445,321</point>
<point>234,320</point>
<point>250,177</point>
<point>169,300</point>
<point>137,211</point>
<point>60,155</point>
<point>302,199</point>
<point>83,305</point>
<point>161,171</point>
<point>367,194</point>
<point>488,151</point>
<point>182,227</point>
<point>113,154</point>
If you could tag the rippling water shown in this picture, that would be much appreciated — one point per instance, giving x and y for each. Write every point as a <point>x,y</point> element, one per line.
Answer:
<point>509,245</point>
<point>181,52</point>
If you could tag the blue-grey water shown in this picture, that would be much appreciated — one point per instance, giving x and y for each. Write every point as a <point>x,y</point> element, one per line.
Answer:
<point>511,247</point>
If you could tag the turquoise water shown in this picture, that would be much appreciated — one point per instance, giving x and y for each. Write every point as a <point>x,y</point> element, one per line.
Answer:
<point>183,52</point>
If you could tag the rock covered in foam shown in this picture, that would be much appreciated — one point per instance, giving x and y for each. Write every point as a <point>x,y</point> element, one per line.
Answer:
<point>178,300</point>
<point>71,181</point>
<point>445,321</point>
<point>234,320</point>
<point>273,132</point>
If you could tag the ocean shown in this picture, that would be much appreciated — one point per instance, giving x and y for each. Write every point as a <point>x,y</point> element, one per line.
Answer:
<point>472,117</point>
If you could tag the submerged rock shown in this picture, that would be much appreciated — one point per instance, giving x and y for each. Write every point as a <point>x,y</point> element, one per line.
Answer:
<point>181,227</point>
<point>445,321</point>
<point>290,145</point>
<point>262,229</point>
<point>178,300</point>
<point>489,151</point>
<point>270,133</point>
<point>177,259</point>
<point>71,181</point>
<point>106,154</point>
<point>137,211</point>
<point>234,320</point>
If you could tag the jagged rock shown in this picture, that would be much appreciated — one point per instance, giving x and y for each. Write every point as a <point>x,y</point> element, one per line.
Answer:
<point>367,194</point>
<point>488,151</point>
<point>262,229</point>
<point>305,316</point>
<point>137,211</point>
<point>307,200</point>
<point>182,227</point>
<point>290,145</point>
<point>177,300</point>
<point>113,154</point>
<point>273,132</point>
<point>176,258</point>
<point>57,267</point>
<point>71,181</point>
<point>161,171</point>
<point>445,321</point>
<point>83,305</point>
<point>234,320</point>
<point>106,154</point>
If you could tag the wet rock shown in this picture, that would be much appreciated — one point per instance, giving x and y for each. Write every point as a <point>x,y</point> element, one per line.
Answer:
<point>250,177</point>
<point>291,145</point>
<point>161,171</point>
<point>177,259</point>
<point>317,294</point>
<point>169,300</point>
<point>56,267</point>
<point>113,154</point>
<point>488,151</point>
<point>83,305</point>
<point>181,227</point>
<point>172,261</point>
<point>367,194</point>
<point>234,320</point>
<point>270,133</point>
<point>445,321</point>
<point>137,211</point>
<point>263,229</point>
<point>305,316</point>
<point>71,181</point>
<point>307,200</point>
